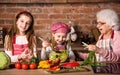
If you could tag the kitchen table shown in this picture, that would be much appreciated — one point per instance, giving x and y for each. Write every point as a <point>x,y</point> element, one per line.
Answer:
<point>13,71</point>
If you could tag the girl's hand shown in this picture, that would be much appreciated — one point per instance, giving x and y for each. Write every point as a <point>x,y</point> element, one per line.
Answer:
<point>26,55</point>
<point>45,44</point>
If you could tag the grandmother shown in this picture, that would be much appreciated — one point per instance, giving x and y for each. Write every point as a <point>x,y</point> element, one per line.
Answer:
<point>107,48</point>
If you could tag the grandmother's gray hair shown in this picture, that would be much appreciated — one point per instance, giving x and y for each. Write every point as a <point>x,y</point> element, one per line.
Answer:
<point>110,17</point>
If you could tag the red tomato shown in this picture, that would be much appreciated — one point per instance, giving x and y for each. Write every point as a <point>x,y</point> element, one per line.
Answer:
<point>17,65</point>
<point>25,66</point>
<point>32,66</point>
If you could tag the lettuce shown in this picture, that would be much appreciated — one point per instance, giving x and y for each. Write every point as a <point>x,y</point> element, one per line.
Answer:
<point>62,54</point>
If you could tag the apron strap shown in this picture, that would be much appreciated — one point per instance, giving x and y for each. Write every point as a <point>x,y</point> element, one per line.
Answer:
<point>112,35</point>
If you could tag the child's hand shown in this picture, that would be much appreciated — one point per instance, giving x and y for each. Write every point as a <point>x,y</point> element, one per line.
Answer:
<point>45,44</point>
<point>26,54</point>
<point>23,54</point>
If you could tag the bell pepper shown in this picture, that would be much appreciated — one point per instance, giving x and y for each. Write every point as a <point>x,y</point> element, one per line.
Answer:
<point>56,63</point>
<point>55,68</point>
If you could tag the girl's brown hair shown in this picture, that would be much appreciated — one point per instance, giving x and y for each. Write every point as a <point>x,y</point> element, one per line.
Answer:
<point>14,30</point>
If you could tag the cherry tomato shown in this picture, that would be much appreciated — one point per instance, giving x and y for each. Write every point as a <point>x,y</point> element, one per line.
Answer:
<point>25,66</point>
<point>32,66</point>
<point>17,65</point>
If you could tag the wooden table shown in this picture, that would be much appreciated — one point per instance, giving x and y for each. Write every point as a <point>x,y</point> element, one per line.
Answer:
<point>14,71</point>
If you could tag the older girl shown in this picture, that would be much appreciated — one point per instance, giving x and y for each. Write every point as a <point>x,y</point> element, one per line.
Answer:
<point>20,41</point>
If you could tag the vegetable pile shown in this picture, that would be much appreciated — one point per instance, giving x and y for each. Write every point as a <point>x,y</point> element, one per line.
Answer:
<point>4,60</point>
<point>27,65</point>
<point>50,65</point>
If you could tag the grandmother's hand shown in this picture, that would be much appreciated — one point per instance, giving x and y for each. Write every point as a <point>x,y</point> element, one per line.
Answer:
<point>93,48</point>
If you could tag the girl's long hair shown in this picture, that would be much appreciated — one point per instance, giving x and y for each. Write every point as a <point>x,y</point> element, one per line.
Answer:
<point>14,30</point>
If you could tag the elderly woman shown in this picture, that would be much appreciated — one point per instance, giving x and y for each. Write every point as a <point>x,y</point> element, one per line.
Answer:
<point>107,48</point>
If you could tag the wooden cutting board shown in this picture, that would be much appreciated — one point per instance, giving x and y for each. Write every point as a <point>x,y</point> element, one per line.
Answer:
<point>68,70</point>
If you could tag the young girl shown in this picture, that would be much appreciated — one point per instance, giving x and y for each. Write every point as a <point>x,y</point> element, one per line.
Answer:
<point>59,34</point>
<point>20,43</point>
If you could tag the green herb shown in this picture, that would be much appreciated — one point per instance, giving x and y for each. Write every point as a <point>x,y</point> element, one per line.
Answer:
<point>91,60</point>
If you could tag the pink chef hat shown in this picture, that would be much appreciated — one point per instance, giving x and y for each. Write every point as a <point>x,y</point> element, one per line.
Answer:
<point>60,27</point>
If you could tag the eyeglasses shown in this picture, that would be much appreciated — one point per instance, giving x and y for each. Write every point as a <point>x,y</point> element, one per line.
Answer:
<point>101,23</point>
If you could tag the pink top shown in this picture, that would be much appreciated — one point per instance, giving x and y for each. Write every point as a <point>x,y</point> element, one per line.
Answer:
<point>60,47</point>
<point>112,55</point>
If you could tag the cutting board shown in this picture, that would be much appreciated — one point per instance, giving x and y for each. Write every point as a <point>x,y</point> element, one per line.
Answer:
<point>68,70</point>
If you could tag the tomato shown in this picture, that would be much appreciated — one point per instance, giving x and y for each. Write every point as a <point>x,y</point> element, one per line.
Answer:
<point>17,65</point>
<point>25,66</point>
<point>32,66</point>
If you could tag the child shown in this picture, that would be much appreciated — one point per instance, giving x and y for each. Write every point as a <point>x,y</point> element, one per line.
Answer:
<point>20,43</point>
<point>59,34</point>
